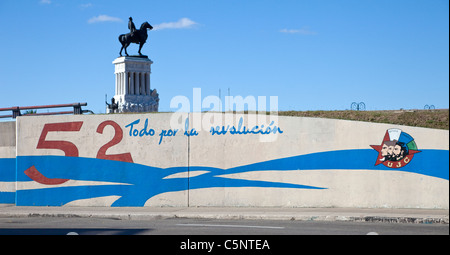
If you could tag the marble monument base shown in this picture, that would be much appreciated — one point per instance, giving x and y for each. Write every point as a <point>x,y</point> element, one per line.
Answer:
<point>133,92</point>
<point>137,103</point>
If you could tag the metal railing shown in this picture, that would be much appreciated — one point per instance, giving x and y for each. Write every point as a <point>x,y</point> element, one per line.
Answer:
<point>16,110</point>
<point>358,106</point>
<point>429,107</point>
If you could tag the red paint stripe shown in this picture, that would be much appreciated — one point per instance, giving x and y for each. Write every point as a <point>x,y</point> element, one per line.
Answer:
<point>36,176</point>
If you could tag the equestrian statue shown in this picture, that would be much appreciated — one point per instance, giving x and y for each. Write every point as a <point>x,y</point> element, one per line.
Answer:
<point>135,36</point>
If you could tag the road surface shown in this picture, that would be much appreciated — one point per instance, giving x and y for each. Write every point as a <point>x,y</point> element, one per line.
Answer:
<point>180,226</point>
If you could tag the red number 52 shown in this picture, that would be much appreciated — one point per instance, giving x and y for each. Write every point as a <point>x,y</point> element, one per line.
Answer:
<point>71,150</point>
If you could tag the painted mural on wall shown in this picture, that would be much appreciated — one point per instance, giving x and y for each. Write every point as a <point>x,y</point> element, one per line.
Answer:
<point>132,160</point>
<point>134,183</point>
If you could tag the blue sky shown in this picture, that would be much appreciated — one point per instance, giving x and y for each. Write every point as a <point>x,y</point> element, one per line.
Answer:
<point>313,55</point>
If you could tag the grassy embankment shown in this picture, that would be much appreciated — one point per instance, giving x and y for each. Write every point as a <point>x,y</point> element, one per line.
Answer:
<point>418,118</point>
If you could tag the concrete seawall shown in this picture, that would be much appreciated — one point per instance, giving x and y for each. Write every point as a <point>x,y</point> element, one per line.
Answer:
<point>219,159</point>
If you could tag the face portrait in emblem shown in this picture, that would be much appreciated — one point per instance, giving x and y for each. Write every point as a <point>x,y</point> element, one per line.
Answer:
<point>387,150</point>
<point>399,152</point>
<point>396,150</point>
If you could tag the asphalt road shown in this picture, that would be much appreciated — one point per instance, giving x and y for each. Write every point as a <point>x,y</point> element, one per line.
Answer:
<point>180,226</point>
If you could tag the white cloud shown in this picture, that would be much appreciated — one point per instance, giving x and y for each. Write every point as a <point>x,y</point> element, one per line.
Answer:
<point>302,31</point>
<point>45,2</point>
<point>84,6</point>
<point>103,18</point>
<point>182,23</point>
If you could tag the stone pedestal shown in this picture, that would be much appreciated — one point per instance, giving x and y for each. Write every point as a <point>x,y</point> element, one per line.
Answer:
<point>133,92</point>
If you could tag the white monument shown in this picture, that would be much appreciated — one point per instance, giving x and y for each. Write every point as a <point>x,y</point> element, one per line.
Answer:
<point>133,92</point>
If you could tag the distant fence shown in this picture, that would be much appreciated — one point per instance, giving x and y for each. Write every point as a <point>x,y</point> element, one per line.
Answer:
<point>358,106</point>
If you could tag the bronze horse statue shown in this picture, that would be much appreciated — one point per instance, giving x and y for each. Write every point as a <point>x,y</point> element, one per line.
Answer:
<point>139,37</point>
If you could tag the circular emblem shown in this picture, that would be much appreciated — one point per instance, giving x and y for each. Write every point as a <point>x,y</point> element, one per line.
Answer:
<point>396,150</point>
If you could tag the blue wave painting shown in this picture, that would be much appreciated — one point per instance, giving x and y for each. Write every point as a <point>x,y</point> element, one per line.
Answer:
<point>144,182</point>
<point>7,175</point>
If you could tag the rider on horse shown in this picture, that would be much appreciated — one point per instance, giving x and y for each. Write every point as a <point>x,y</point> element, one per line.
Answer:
<point>135,36</point>
<point>131,26</point>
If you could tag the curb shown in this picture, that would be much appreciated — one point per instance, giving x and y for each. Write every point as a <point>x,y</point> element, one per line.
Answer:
<point>310,216</point>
